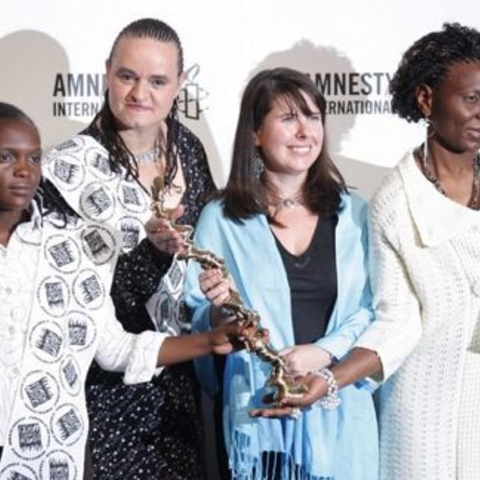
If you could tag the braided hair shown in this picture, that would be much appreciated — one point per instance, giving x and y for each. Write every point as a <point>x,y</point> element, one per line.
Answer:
<point>103,125</point>
<point>428,62</point>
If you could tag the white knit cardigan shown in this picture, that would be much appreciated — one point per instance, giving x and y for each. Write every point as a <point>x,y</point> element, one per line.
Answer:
<point>425,259</point>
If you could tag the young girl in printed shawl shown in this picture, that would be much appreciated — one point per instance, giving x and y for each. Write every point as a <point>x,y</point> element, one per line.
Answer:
<point>56,316</point>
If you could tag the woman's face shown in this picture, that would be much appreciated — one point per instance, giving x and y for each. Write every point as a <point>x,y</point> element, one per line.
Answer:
<point>143,82</point>
<point>290,140</point>
<point>455,109</point>
<point>20,164</point>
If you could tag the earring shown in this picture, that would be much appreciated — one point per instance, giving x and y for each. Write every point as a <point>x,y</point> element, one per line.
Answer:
<point>258,165</point>
<point>428,126</point>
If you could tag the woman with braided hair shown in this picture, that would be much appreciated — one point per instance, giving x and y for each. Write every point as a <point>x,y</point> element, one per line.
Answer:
<point>424,223</point>
<point>150,430</point>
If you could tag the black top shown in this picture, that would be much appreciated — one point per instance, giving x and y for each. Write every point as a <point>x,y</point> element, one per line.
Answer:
<point>312,277</point>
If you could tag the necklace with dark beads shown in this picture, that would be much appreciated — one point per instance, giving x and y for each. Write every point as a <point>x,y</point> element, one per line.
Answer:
<point>474,202</point>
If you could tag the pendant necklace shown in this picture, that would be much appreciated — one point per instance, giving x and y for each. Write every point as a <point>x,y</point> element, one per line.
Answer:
<point>279,202</point>
<point>474,202</point>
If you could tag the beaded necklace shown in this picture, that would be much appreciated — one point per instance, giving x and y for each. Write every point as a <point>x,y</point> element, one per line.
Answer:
<point>474,202</point>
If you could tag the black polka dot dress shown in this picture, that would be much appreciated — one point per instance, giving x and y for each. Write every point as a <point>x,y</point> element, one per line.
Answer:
<point>151,430</point>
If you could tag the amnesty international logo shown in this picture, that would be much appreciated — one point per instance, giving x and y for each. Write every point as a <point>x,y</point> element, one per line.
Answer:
<point>80,95</point>
<point>354,93</point>
<point>190,101</point>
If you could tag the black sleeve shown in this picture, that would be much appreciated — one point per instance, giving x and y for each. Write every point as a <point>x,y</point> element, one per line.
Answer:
<point>136,278</point>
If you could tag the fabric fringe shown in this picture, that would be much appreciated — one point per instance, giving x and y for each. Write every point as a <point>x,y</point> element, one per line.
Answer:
<point>265,465</point>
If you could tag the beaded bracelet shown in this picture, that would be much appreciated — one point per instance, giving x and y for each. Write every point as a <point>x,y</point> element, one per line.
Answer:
<point>331,400</point>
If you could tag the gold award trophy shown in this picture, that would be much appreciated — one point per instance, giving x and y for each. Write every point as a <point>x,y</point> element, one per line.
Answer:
<point>278,380</point>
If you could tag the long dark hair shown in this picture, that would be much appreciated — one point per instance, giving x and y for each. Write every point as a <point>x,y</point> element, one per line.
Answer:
<point>246,193</point>
<point>103,125</point>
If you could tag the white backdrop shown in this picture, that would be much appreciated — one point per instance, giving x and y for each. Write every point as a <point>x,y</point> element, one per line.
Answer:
<point>49,47</point>
<point>52,55</point>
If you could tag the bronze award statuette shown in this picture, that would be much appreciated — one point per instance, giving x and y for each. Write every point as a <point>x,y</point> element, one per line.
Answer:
<point>279,380</point>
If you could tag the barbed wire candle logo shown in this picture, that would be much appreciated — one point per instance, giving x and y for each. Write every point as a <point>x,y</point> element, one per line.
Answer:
<point>191,95</point>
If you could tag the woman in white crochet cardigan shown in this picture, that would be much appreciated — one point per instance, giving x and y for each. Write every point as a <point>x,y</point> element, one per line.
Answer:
<point>424,345</point>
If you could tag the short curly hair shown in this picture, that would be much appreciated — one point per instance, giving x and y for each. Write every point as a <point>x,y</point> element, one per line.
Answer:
<point>428,61</point>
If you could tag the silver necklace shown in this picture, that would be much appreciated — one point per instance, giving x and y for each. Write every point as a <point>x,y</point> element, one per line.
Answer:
<point>150,156</point>
<point>278,202</point>
<point>474,202</point>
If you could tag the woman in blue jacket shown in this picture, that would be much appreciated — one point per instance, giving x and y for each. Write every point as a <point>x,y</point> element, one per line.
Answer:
<point>294,242</point>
